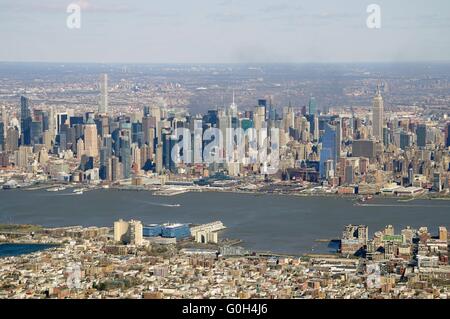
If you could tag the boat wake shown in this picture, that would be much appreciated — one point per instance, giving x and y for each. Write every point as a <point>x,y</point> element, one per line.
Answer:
<point>398,205</point>
<point>170,205</point>
<point>161,204</point>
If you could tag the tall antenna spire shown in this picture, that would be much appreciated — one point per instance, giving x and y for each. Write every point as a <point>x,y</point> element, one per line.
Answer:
<point>232,110</point>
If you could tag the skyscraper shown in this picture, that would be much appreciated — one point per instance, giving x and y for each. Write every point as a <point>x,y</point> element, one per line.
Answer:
<point>263,103</point>
<point>259,116</point>
<point>136,157</point>
<point>51,122</point>
<point>61,120</point>
<point>386,136</point>
<point>405,140</point>
<point>63,141</point>
<point>364,148</point>
<point>103,105</point>
<point>437,182</point>
<point>338,137</point>
<point>12,139</point>
<point>159,158</point>
<point>4,120</point>
<point>36,132</point>
<point>137,133</point>
<point>421,133</point>
<point>349,174</point>
<point>232,110</point>
<point>125,156</point>
<point>329,148</point>
<point>107,143</point>
<point>447,135</point>
<point>90,139</point>
<point>80,148</point>
<point>2,137</point>
<point>378,116</point>
<point>316,128</point>
<point>105,164</point>
<point>146,111</point>
<point>148,130</point>
<point>312,105</point>
<point>116,169</point>
<point>25,120</point>
<point>23,156</point>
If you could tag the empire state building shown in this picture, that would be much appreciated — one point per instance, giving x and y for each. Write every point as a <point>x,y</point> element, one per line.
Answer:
<point>377,116</point>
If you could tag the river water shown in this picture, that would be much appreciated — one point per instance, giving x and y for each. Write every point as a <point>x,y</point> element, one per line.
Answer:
<point>285,224</point>
<point>7,250</point>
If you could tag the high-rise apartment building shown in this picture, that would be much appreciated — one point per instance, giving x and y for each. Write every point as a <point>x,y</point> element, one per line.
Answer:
<point>128,232</point>
<point>443,234</point>
<point>103,105</point>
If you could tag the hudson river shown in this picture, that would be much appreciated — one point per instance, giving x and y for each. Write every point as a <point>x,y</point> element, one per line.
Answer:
<point>285,224</point>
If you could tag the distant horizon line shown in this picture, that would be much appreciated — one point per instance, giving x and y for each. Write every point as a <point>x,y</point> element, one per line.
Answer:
<point>228,63</point>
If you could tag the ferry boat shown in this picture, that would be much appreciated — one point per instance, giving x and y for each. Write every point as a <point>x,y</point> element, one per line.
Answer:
<point>78,191</point>
<point>12,184</point>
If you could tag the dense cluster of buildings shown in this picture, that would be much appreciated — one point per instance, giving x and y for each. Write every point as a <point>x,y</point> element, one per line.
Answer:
<point>412,252</point>
<point>94,263</point>
<point>410,245</point>
<point>346,151</point>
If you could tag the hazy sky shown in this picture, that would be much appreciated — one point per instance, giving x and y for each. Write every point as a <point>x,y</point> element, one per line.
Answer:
<point>210,31</point>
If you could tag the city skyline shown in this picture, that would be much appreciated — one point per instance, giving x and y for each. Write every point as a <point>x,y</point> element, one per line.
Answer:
<point>232,141</point>
<point>225,149</point>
